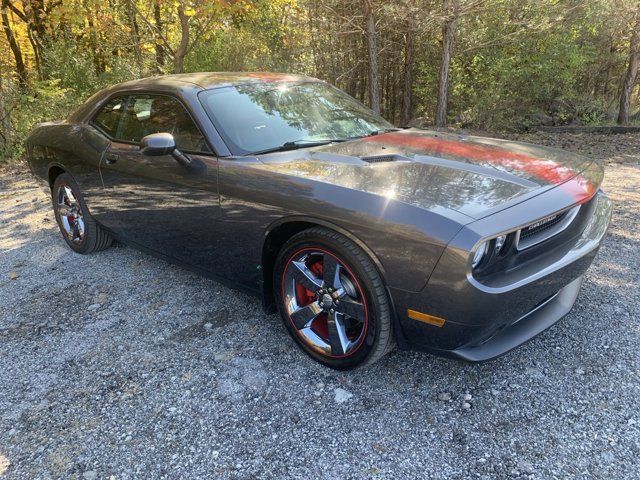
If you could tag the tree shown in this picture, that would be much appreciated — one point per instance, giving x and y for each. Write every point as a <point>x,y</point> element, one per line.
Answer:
<point>374,91</point>
<point>629,80</point>
<point>135,37</point>
<point>183,46</point>
<point>407,97</point>
<point>21,70</point>
<point>5,119</point>
<point>450,8</point>
<point>158,24</point>
<point>194,20</point>
<point>451,12</point>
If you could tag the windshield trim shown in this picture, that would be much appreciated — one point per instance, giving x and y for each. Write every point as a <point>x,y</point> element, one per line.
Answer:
<point>236,152</point>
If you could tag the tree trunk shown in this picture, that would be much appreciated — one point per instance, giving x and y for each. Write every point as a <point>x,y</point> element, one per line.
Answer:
<point>21,70</point>
<point>135,38</point>
<point>632,72</point>
<point>374,94</point>
<point>93,42</point>
<point>38,15</point>
<point>448,31</point>
<point>5,119</point>
<point>362,83</point>
<point>36,53</point>
<point>181,51</point>
<point>407,98</point>
<point>394,95</point>
<point>159,48</point>
<point>311,13</point>
<point>352,84</point>
<point>38,36</point>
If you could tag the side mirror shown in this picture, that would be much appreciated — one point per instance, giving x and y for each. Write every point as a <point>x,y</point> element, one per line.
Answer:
<point>157,144</point>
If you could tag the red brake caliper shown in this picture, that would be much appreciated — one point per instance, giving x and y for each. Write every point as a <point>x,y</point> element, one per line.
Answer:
<point>305,296</point>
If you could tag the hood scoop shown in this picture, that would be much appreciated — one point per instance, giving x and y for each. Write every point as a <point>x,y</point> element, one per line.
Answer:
<point>385,159</point>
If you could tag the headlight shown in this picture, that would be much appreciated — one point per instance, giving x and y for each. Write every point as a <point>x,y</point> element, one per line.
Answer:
<point>479,255</point>
<point>492,253</point>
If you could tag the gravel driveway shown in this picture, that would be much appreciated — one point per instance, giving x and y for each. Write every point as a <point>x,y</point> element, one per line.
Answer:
<point>118,365</point>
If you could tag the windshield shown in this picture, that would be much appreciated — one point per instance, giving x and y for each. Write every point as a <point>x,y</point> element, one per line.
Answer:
<point>258,117</point>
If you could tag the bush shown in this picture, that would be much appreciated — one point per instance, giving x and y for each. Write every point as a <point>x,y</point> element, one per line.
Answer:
<point>72,78</point>
<point>46,100</point>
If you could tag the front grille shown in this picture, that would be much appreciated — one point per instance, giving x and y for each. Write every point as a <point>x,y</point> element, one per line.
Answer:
<point>545,228</point>
<point>541,226</point>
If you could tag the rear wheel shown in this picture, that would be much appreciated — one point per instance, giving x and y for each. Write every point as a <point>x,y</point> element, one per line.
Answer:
<point>332,299</point>
<point>78,228</point>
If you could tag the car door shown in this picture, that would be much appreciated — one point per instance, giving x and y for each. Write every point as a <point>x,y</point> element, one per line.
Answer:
<point>154,201</point>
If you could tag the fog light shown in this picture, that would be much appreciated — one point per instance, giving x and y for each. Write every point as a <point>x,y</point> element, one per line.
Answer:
<point>479,255</point>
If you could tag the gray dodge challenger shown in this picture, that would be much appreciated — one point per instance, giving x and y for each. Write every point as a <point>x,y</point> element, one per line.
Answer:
<point>363,236</point>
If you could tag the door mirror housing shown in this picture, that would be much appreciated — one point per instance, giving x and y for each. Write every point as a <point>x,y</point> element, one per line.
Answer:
<point>157,144</point>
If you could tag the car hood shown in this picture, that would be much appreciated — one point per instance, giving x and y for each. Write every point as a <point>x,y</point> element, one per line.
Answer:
<point>475,176</point>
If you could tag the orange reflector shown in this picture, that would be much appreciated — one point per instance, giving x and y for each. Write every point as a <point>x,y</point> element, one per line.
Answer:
<point>423,317</point>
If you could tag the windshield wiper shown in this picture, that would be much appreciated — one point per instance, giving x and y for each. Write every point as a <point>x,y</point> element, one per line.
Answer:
<point>384,130</point>
<point>296,144</point>
<point>373,133</point>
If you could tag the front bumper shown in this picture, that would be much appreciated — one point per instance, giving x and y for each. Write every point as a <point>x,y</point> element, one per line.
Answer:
<point>483,321</point>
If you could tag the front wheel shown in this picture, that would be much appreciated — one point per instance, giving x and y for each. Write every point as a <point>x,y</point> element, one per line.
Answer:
<point>332,299</point>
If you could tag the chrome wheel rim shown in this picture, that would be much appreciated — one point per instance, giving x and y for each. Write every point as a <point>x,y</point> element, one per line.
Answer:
<point>70,214</point>
<point>324,302</point>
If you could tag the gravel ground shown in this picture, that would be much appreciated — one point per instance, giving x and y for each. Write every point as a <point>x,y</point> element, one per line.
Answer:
<point>118,365</point>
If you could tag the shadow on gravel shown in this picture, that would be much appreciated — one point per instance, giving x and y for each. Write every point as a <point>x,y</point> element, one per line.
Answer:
<point>203,328</point>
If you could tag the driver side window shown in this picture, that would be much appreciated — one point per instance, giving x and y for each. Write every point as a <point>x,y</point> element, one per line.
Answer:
<point>142,115</point>
<point>109,117</point>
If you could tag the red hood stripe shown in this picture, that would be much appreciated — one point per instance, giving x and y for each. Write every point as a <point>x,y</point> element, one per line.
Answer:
<point>581,189</point>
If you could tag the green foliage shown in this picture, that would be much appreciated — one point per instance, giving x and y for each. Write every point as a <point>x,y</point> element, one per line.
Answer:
<point>514,63</point>
<point>263,37</point>
<point>73,67</point>
<point>71,79</point>
<point>46,100</point>
<point>524,71</point>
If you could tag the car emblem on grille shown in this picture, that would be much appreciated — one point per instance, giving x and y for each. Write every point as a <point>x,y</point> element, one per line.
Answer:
<point>539,223</point>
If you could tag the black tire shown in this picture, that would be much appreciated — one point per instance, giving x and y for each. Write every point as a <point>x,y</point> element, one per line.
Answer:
<point>376,331</point>
<point>92,237</point>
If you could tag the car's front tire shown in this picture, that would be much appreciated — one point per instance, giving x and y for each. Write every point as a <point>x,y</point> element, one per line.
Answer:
<point>78,228</point>
<point>332,299</point>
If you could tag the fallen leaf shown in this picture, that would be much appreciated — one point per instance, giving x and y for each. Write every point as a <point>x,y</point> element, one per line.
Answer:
<point>13,275</point>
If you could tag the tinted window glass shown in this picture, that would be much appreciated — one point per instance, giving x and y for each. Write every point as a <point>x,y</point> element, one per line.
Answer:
<point>110,115</point>
<point>147,114</point>
<point>254,117</point>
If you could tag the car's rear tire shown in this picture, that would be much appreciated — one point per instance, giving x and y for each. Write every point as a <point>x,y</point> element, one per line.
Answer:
<point>78,228</point>
<point>332,299</point>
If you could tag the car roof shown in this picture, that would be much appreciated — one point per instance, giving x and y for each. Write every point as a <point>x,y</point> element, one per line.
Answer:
<point>213,79</point>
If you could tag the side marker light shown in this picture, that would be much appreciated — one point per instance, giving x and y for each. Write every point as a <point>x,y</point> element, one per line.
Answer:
<point>423,317</point>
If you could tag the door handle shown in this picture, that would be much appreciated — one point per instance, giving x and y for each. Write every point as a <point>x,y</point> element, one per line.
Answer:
<point>111,158</point>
